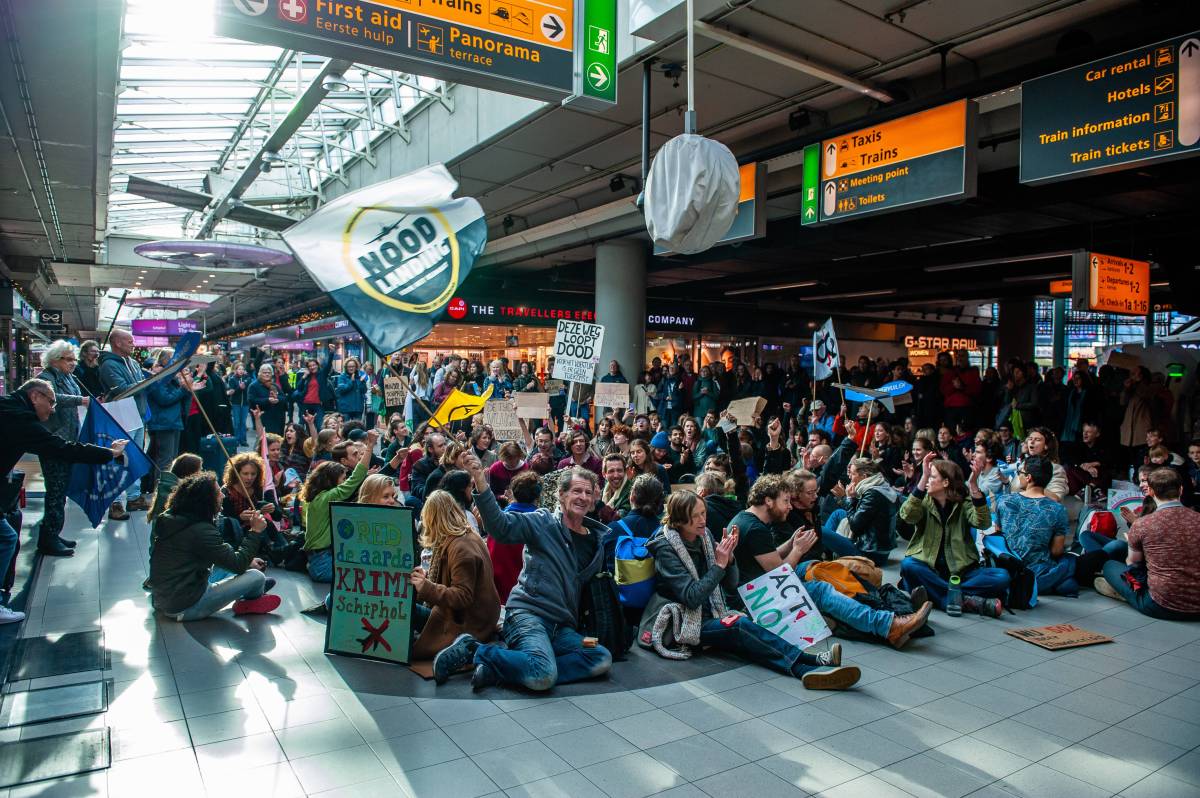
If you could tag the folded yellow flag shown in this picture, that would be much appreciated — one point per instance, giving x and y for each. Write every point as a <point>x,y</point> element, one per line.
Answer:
<point>459,405</point>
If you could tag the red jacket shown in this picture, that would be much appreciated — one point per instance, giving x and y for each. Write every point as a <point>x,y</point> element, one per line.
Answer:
<point>967,394</point>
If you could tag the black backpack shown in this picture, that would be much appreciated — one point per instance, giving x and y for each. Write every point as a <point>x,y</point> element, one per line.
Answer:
<point>602,617</point>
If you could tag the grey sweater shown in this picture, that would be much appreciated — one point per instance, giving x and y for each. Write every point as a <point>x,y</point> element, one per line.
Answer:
<point>550,581</point>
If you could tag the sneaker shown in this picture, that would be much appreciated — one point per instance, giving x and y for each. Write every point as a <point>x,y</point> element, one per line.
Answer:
<point>484,676</point>
<point>918,596</point>
<point>987,607</point>
<point>1105,589</point>
<point>831,658</point>
<point>836,679</point>
<point>454,657</point>
<point>256,606</point>
<point>904,625</point>
<point>268,583</point>
<point>70,544</point>
<point>117,512</point>
<point>10,616</point>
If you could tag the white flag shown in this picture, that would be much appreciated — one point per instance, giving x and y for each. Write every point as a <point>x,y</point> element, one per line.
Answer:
<point>826,356</point>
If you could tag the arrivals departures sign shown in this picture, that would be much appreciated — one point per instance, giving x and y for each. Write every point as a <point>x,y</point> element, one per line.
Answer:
<point>1108,284</point>
<point>915,160</point>
<point>1114,113</point>
<point>518,47</point>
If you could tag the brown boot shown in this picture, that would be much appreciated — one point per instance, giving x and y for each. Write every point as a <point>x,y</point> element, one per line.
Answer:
<point>904,625</point>
<point>140,503</point>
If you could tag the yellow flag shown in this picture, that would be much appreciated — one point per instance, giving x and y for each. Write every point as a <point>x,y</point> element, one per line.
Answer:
<point>459,405</point>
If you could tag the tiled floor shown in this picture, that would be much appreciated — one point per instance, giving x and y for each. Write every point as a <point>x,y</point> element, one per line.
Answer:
<point>252,707</point>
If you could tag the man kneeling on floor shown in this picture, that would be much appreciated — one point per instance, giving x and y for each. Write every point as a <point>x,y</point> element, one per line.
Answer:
<point>562,552</point>
<point>688,609</point>
<point>186,545</point>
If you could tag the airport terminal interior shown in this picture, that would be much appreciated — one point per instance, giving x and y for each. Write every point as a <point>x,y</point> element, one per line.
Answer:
<point>614,398</point>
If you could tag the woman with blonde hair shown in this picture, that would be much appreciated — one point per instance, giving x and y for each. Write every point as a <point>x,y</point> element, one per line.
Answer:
<point>378,489</point>
<point>457,596</point>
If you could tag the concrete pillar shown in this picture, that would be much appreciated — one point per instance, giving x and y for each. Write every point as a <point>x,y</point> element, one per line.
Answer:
<point>1148,332</point>
<point>621,305</point>
<point>1014,333</point>
<point>1058,333</point>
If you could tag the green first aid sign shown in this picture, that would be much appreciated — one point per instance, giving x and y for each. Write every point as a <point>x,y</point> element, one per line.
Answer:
<point>596,64</point>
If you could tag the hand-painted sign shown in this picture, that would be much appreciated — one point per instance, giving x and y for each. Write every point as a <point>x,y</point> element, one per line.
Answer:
<point>577,350</point>
<point>917,159</point>
<point>1113,113</point>
<point>778,602</point>
<point>371,613</point>
<point>1108,284</point>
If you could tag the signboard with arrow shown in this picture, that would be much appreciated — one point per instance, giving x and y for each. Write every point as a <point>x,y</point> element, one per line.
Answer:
<point>596,43</point>
<point>1108,284</point>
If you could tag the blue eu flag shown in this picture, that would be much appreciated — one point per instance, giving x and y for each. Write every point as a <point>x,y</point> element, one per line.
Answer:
<point>95,487</point>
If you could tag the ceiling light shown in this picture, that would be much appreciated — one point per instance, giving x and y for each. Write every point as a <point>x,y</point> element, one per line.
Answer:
<point>1033,278</point>
<point>852,295</point>
<point>780,287</point>
<point>975,264</point>
<point>335,81</point>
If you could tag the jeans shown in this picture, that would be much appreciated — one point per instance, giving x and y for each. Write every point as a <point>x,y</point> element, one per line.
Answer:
<point>248,585</point>
<point>1141,600</point>
<point>317,410</point>
<point>754,643</point>
<point>541,655</point>
<point>8,546</point>
<point>320,565</point>
<point>240,413</point>
<point>843,546</point>
<point>136,437</point>
<point>844,609</point>
<point>1115,549</point>
<point>165,446</point>
<point>986,582</point>
<point>832,523</point>
<point>1056,576</point>
<point>56,474</point>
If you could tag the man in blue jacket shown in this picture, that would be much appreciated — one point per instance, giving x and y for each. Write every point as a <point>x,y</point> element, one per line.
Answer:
<point>118,369</point>
<point>562,552</point>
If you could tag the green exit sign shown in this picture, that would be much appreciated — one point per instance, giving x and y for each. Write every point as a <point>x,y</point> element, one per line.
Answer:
<point>595,55</point>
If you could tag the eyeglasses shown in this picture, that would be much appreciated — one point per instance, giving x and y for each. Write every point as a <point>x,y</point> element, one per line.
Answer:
<point>48,397</point>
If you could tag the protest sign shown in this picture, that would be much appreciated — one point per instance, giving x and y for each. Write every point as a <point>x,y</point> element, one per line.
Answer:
<point>371,616</point>
<point>744,410</point>
<point>577,350</point>
<point>1123,494</point>
<point>501,416</point>
<point>1063,635</point>
<point>612,394</point>
<point>778,602</point>
<point>554,386</point>
<point>826,355</point>
<point>124,412</point>
<point>393,392</point>
<point>532,405</point>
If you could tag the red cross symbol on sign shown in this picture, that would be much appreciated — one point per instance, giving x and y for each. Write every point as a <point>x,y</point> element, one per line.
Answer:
<point>293,10</point>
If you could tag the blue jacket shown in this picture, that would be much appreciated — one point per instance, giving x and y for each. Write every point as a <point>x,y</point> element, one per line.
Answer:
<point>502,388</point>
<point>117,372</point>
<point>351,393</point>
<point>168,402</point>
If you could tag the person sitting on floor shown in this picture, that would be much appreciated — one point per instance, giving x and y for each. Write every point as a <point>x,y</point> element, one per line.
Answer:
<point>866,516</point>
<point>457,597</point>
<point>688,608</point>
<point>943,544</point>
<point>182,466</point>
<point>1160,578</point>
<point>325,484</point>
<point>1035,528</point>
<point>186,545</point>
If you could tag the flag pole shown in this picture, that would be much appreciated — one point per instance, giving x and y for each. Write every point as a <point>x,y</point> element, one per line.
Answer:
<point>408,387</point>
<point>221,443</point>
<point>867,432</point>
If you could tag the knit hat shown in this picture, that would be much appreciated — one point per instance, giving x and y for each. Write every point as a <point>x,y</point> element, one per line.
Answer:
<point>660,441</point>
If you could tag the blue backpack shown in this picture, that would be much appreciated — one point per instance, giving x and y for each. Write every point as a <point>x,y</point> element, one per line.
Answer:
<point>633,568</point>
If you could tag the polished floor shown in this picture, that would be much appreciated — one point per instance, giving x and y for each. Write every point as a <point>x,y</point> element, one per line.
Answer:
<point>252,707</point>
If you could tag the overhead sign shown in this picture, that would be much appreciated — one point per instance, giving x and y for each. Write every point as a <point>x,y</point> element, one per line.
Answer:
<point>810,202</point>
<point>917,159</point>
<point>577,350</point>
<point>371,613</point>
<point>164,326</point>
<point>751,219</point>
<point>1108,284</point>
<point>596,43</point>
<point>1060,288</point>
<point>525,48</point>
<point>1113,113</point>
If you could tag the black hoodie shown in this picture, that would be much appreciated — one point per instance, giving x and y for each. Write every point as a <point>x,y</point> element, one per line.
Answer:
<point>23,433</point>
<point>183,553</point>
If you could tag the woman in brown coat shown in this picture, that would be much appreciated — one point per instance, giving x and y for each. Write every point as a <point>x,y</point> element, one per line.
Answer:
<point>459,588</point>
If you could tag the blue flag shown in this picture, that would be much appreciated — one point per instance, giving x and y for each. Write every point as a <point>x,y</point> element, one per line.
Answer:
<point>95,487</point>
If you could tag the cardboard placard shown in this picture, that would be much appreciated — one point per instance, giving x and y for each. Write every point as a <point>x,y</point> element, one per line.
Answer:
<point>1063,635</point>
<point>612,394</point>
<point>744,410</point>
<point>554,386</point>
<point>778,602</point>
<point>371,595</point>
<point>532,405</point>
<point>577,347</point>
<point>501,416</point>
<point>1123,360</point>
<point>393,392</point>
<point>1123,494</point>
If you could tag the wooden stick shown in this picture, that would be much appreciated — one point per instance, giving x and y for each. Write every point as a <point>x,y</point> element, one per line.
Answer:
<point>867,431</point>
<point>408,387</point>
<point>221,443</point>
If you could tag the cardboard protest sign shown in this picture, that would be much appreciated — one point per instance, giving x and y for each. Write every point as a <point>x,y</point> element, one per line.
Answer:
<point>1123,360</point>
<point>612,394</point>
<point>501,416</point>
<point>554,386</point>
<point>778,602</point>
<point>532,405</point>
<point>372,599</point>
<point>744,410</point>
<point>393,392</point>
<point>577,350</point>
<point>1123,494</point>
<point>1063,635</point>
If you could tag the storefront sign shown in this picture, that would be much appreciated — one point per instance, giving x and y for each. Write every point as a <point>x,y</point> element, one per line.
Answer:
<point>942,343</point>
<point>1108,284</point>
<point>460,309</point>
<point>917,159</point>
<point>577,350</point>
<point>523,48</point>
<point>1113,113</point>
<point>501,416</point>
<point>372,601</point>
<point>164,326</point>
<point>661,321</point>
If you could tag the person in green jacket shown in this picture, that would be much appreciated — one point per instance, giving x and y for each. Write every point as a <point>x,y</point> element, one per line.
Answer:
<point>943,541</point>
<point>186,545</point>
<point>705,393</point>
<point>325,484</point>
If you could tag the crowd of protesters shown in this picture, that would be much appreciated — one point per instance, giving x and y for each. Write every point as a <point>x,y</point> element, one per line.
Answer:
<point>976,486</point>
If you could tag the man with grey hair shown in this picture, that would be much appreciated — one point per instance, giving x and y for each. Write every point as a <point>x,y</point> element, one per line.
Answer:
<point>118,370</point>
<point>563,552</point>
<point>23,417</point>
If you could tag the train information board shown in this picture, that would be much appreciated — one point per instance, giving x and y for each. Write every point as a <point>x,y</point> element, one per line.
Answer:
<point>1108,284</point>
<point>1114,113</point>
<point>914,160</point>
